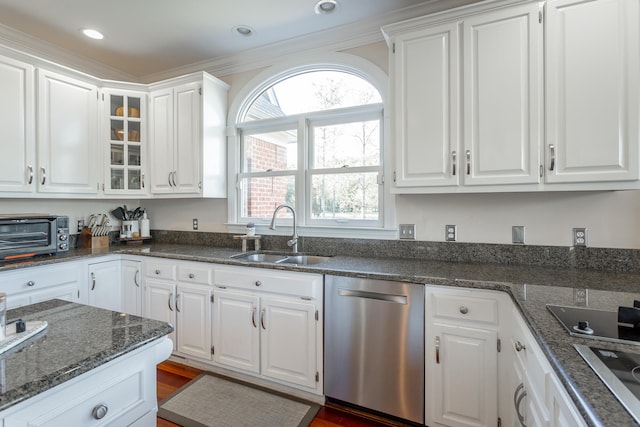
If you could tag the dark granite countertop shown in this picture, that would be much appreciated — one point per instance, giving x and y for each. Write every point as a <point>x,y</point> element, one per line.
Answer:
<point>530,287</point>
<point>78,339</point>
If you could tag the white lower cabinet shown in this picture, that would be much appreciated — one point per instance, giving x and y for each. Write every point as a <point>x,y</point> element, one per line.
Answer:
<point>186,305</point>
<point>531,393</point>
<point>37,284</point>
<point>132,286</point>
<point>105,285</point>
<point>268,323</point>
<point>461,357</point>
<point>119,393</point>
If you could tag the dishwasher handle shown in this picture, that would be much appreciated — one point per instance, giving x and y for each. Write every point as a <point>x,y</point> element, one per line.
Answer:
<point>398,299</point>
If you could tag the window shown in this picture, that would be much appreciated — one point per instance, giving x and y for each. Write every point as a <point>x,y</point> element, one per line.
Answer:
<point>313,139</point>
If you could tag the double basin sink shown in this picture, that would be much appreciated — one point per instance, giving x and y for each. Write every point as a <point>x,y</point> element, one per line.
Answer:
<point>276,258</point>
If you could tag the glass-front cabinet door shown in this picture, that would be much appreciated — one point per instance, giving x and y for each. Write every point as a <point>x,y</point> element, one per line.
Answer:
<point>125,140</point>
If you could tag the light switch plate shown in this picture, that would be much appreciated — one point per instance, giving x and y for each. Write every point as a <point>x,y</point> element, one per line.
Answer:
<point>407,231</point>
<point>517,234</point>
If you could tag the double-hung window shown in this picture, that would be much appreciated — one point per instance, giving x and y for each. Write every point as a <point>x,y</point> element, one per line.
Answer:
<point>314,141</point>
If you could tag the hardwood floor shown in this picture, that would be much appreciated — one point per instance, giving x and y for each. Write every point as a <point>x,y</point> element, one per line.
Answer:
<point>171,376</point>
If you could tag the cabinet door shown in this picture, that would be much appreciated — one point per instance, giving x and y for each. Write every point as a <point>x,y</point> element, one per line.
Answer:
<point>236,337</point>
<point>124,141</point>
<point>463,387</point>
<point>159,303</point>
<point>68,159</point>
<point>105,285</point>
<point>187,138</point>
<point>193,307</point>
<point>288,332</point>
<point>161,140</point>
<point>502,96</point>
<point>425,66</point>
<point>592,94</point>
<point>17,122</point>
<point>131,287</point>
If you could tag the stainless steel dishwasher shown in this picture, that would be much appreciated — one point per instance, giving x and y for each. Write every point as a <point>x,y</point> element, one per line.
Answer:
<point>374,345</point>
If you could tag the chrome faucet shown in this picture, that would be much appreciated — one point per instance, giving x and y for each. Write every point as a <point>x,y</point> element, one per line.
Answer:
<point>293,243</point>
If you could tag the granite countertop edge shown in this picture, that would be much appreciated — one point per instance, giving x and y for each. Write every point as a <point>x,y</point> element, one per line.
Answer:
<point>593,400</point>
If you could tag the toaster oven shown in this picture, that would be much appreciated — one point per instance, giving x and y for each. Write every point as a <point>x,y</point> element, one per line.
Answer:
<point>23,236</point>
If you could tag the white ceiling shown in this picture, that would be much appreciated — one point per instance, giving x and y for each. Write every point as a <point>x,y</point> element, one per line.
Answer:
<point>151,37</point>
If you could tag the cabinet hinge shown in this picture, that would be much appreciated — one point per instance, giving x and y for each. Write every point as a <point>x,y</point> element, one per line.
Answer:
<point>394,176</point>
<point>499,422</point>
<point>393,47</point>
<point>317,315</point>
<point>78,293</point>
<point>540,15</point>
<point>499,346</point>
<point>212,298</point>
<point>213,351</point>
<point>317,376</point>
<point>199,91</point>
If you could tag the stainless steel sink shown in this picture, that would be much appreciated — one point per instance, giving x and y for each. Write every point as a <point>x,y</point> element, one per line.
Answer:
<point>281,258</point>
<point>303,259</point>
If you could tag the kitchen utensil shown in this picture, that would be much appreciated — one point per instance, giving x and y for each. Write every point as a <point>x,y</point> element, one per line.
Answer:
<point>118,213</point>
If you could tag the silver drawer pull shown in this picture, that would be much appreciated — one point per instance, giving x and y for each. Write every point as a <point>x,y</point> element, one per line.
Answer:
<point>453,163</point>
<point>552,154</point>
<point>262,318</point>
<point>520,346</point>
<point>438,350</point>
<point>30,168</point>
<point>468,154</point>
<point>100,411</point>
<point>253,316</point>
<point>31,283</point>
<point>463,309</point>
<point>258,283</point>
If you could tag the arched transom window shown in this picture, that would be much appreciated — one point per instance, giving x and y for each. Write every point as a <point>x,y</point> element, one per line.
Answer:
<point>313,140</point>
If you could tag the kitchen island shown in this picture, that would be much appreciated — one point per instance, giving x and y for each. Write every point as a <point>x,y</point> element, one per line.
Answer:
<point>88,364</point>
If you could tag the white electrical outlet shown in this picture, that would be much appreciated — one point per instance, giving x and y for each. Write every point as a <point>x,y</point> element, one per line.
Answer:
<point>451,233</point>
<point>579,237</point>
<point>407,231</point>
<point>517,234</point>
<point>195,223</point>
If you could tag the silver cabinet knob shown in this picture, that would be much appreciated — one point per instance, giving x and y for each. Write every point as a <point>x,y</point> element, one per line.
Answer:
<point>191,275</point>
<point>258,283</point>
<point>520,346</point>
<point>100,411</point>
<point>463,309</point>
<point>31,283</point>
<point>157,271</point>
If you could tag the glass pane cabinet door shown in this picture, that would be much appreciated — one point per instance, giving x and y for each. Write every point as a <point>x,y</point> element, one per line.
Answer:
<point>125,143</point>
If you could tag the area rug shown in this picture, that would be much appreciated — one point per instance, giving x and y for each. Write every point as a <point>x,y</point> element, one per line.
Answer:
<point>210,400</point>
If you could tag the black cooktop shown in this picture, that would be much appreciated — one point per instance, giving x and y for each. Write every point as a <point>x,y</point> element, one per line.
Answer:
<point>620,371</point>
<point>598,324</point>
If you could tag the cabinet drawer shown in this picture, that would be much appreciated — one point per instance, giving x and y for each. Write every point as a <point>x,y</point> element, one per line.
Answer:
<point>160,270</point>
<point>466,308</point>
<point>39,277</point>
<point>259,279</point>
<point>194,274</point>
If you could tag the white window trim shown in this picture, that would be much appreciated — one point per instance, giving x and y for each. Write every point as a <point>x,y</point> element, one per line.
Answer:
<point>332,60</point>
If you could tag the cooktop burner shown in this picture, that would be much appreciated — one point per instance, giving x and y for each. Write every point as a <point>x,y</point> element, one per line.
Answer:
<point>621,326</point>
<point>620,372</point>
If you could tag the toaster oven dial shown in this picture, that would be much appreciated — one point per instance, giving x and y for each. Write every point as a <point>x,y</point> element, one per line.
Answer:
<point>63,237</point>
<point>62,246</point>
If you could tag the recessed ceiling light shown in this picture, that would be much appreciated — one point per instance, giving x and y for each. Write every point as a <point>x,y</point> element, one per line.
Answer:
<point>93,34</point>
<point>325,6</point>
<point>243,30</point>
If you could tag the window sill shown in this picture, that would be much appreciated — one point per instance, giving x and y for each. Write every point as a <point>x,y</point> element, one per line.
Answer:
<point>317,231</point>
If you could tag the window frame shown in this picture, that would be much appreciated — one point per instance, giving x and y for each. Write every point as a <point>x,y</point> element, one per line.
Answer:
<point>360,67</point>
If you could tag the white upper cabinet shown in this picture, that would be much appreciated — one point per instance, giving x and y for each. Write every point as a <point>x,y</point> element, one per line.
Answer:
<point>517,96</point>
<point>467,117</point>
<point>17,163</point>
<point>124,142</point>
<point>68,158</point>
<point>425,99</point>
<point>502,55</point>
<point>592,77</point>
<point>187,125</point>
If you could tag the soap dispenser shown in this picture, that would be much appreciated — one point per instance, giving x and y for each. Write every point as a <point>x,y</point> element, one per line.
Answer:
<point>144,226</point>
